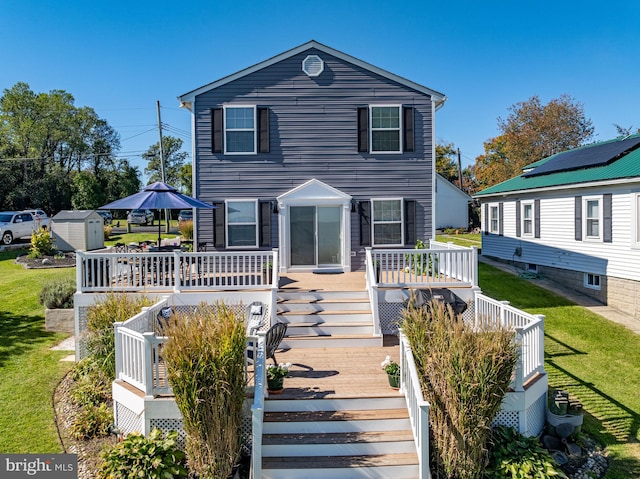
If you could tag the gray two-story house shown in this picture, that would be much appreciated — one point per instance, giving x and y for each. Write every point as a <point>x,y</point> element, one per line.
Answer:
<point>316,153</point>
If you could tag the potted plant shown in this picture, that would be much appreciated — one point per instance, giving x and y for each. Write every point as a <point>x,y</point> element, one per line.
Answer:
<point>393,372</point>
<point>275,377</point>
<point>57,298</point>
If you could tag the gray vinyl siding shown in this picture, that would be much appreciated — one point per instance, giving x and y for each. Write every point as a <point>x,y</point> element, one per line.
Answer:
<point>313,134</point>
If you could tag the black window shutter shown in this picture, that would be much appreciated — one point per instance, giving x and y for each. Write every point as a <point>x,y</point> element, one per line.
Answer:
<point>218,226</point>
<point>578,218</point>
<point>536,218</point>
<point>364,210</point>
<point>363,129</point>
<point>486,218</point>
<point>501,219</point>
<point>518,226</point>
<point>216,130</point>
<point>263,130</point>
<point>410,236</point>
<point>606,218</point>
<point>265,223</point>
<point>408,114</point>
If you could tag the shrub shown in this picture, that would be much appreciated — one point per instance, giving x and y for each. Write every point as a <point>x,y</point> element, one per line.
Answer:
<point>100,339</point>
<point>514,456</point>
<point>464,373</point>
<point>186,229</point>
<point>148,457</point>
<point>92,421</point>
<point>91,386</point>
<point>205,366</point>
<point>107,231</point>
<point>41,244</point>
<point>58,294</point>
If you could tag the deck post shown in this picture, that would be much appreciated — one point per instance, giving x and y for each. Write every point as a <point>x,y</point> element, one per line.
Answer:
<point>423,457</point>
<point>519,376</point>
<point>118,348</point>
<point>147,364</point>
<point>540,367</point>
<point>474,266</point>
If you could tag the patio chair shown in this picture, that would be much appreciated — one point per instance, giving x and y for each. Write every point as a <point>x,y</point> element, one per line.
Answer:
<point>163,318</point>
<point>273,338</point>
<point>256,313</point>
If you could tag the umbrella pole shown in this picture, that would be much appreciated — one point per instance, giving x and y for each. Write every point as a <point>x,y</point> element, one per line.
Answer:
<point>159,227</point>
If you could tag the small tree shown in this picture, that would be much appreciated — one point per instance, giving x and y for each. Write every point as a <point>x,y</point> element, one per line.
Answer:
<point>464,373</point>
<point>205,366</point>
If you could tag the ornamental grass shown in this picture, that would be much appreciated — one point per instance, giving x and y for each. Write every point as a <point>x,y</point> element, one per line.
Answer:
<point>464,372</point>
<point>205,366</point>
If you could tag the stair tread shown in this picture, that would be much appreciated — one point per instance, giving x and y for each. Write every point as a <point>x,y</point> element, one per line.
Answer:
<point>322,300</point>
<point>314,462</point>
<point>306,324</point>
<point>307,337</point>
<point>354,415</point>
<point>329,312</point>
<point>337,437</point>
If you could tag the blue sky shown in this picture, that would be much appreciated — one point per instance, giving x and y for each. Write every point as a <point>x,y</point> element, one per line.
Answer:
<point>119,57</point>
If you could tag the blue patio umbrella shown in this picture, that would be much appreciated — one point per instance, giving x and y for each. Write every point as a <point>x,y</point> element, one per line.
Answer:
<point>157,196</point>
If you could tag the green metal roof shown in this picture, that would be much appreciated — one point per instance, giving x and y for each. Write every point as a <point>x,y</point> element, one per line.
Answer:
<point>628,166</point>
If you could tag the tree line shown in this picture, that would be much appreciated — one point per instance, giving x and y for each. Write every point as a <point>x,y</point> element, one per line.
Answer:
<point>55,155</point>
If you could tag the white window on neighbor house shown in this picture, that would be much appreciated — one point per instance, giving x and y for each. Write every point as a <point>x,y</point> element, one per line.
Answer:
<point>240,129</point>
<point>592,281</point>
<point>387,222</point>
<point>494,219</point>
<point>592,218</point>
<point>242,223</point>
<point>386,127</point>
<point>527,219</point>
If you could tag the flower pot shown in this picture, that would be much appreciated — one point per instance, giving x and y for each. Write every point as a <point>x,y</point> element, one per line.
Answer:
<point>275,385</point>
<point>394,380</point>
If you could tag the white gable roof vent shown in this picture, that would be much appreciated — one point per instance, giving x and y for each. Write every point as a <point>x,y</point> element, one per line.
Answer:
<point>312,65</point>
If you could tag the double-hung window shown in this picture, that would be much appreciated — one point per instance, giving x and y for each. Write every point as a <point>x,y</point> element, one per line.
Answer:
<point>527,219</point>
<point>242,223</point>
<point>240,129</point>
<point>387,222</point>
<point>386,127</point>
<point>494,219</point>
<point>592,218</point>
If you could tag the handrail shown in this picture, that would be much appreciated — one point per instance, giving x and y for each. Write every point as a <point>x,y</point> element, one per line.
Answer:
<point>177,270</point>
<point>257,408</point>
<point>528,330</point>
<point>416,404</point>
<point>442,267</point>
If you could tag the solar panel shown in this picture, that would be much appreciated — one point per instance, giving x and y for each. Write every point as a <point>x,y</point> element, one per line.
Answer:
<point>587,157</point>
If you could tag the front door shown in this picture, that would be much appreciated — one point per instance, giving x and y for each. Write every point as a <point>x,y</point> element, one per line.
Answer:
<point>315,236</point>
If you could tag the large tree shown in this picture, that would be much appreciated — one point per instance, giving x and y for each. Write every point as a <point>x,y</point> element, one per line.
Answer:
<point>174,160</point>
<point>531,132</point>
<point>44,141</point>
<point>446,161</point>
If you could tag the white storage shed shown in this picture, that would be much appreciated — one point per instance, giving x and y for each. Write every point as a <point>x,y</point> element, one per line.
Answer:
<point>81,230</point>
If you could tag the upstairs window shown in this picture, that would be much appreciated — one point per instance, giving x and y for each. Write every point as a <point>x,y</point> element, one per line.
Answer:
<point>240,129</point>
<point>385,129</point>
<point>387,222</point>
<point>242,223</point>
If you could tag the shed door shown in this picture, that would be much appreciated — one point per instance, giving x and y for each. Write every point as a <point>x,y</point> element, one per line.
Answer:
<point>95,234</point>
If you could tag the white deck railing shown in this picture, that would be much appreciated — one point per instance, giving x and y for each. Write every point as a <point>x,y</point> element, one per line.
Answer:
<point>177,270</point>
<point>442,267</point>
<point>257,408</point>
<point>417,406</point>
<point>529,330</point>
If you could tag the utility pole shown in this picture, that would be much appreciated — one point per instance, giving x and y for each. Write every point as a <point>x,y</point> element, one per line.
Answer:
<point>162,175</point>
<point>460,171</point>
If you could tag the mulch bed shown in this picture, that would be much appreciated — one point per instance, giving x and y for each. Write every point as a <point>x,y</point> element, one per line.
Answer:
<point>66,261</point>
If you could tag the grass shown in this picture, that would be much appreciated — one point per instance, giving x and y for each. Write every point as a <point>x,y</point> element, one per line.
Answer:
<point>465,239</point>
<point>135,237</point>
<point>594,359</point>
<point>29,370</point>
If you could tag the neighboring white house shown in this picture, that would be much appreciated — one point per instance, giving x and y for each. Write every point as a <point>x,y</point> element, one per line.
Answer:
<point>573,217</point>
<point>452,205</point>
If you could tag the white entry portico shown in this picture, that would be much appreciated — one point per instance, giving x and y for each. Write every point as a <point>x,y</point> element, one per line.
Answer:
<point>314,225</point>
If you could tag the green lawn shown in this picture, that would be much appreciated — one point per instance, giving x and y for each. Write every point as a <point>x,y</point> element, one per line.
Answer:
<point>590,357</point>
<point>29,371</point>
<point>465,239</point>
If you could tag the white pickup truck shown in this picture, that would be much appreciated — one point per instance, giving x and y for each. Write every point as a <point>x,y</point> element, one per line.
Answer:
<point>18,224</point>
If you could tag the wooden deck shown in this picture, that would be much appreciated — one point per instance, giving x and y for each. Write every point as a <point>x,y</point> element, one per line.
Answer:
<point>318,373</point>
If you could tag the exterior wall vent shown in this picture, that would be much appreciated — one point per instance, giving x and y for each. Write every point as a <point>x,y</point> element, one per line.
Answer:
<point>312,65</point>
